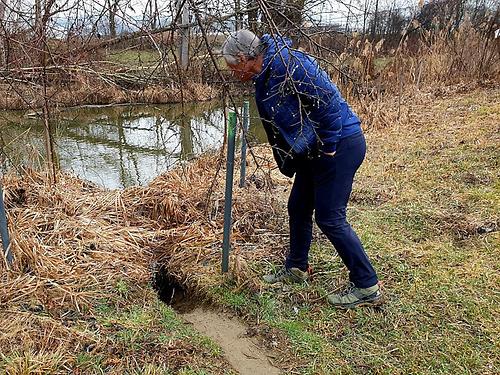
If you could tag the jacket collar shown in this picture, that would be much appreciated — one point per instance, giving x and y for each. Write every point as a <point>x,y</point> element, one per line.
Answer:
<point>273,46</point>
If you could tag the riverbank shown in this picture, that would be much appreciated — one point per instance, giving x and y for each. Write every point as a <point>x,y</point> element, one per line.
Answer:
<point>98,93</point>
<point>425,204</point>
<point>79,295</point>
<point>115,80</point>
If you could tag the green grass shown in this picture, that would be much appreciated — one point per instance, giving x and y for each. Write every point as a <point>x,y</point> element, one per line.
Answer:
<point>89,363</point>
<point>122,288</point>
<point>427,239</point>
<point>155,323</point>
<point>130,332</point>
<point>135,57</point>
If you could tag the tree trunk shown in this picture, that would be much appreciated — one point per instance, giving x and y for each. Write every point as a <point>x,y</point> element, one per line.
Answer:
<point>3,36</point>
<point>41,31</point>
<point>156,15</point>
<point>365,17</point>
<point>184,32</point>
<point>112,8</point>
<point>150,19</point>
<point>374,26</point>
<point>38,13</point>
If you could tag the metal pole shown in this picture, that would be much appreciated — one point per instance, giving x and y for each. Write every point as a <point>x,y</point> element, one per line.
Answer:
<point>246,123</point>
<point>228,199</point>
<point>4,230</point>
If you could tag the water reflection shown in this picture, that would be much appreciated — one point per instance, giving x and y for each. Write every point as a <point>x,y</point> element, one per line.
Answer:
<point>119,146</point>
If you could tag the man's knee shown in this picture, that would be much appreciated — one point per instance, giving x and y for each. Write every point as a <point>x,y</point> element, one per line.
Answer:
<point>332,226</point>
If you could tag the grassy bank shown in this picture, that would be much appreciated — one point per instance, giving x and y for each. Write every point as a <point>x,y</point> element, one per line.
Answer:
<point>128,332</point>
<point>125,331</point>
<point>425,204</point>
<point>90,91</point>
<point>115,77</point>
<point>78,297</point>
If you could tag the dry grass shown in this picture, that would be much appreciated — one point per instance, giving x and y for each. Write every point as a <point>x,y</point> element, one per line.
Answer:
<point>77,247</point>
<point>426,207</point>
<point>190,217</point>
<point>426,61</point>
<point>86,90</point>
<point>75,251</point>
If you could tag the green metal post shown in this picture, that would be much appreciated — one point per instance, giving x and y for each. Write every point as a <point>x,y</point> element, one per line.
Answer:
<point>4,230</point>
<point>246,123</point>
<point>228,199</point>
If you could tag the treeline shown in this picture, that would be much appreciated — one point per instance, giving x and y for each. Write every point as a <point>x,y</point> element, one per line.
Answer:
<point>435,15</point>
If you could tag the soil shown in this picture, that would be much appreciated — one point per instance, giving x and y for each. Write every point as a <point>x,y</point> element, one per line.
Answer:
<point>240,350</point>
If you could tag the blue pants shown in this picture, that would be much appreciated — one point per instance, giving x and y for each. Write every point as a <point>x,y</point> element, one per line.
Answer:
<point>323,184</point>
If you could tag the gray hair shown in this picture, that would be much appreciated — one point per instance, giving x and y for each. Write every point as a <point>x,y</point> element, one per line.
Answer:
<point>241,41</point>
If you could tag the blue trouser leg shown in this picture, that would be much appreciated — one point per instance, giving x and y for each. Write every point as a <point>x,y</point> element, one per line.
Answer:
<point>325,184</point>
<point>300,211</point>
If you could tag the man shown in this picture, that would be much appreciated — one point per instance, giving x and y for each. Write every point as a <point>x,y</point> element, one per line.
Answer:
<point>316,137</point>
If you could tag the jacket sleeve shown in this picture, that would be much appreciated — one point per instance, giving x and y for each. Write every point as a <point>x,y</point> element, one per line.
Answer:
<point>284,113</point>
<point>313,85</point>
<point>285,162</point>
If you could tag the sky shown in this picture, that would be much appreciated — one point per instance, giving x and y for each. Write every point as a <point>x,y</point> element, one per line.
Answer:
<point>318,11</point>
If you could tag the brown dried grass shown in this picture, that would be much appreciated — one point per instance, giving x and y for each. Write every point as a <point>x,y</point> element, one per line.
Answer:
<point>65,249</point>
<point>189,220</point>
<point>74,226</point>
<point>90,90</point>
<point>73,243</point>
<point>380,82</point>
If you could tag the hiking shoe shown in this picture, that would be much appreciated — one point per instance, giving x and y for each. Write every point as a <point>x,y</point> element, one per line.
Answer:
<point>353,296</point>
<point>286,275</point>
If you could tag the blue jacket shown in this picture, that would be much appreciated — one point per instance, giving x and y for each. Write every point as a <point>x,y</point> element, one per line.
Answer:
<point>301,109</point>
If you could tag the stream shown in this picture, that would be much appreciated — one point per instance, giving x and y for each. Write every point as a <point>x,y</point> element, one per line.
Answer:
<point>122,145</point>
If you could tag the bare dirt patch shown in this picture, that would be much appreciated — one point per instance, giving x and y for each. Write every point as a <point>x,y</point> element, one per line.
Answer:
<point>241,351</point>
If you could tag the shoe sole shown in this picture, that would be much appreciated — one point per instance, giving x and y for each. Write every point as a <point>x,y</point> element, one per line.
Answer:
<point>377,301</point>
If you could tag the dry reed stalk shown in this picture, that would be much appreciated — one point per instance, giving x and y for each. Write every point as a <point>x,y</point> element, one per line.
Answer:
<point>429,63</point>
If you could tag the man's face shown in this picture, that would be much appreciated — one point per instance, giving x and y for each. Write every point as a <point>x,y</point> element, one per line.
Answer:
<point>244,70</point>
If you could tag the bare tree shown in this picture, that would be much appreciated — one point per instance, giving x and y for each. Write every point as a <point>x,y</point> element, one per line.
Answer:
<point>374,25</point>
<point>112,9</point>
<point>3,36</point>
<point>41,23</point>
<point>252,15</point>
